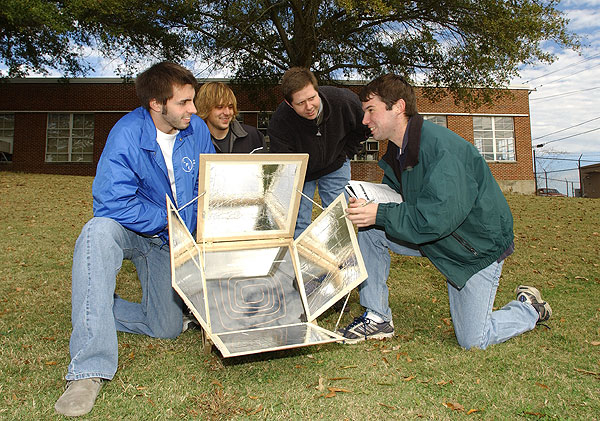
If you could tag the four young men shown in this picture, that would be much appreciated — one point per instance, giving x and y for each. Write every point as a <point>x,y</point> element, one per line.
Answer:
<point>453,211</point>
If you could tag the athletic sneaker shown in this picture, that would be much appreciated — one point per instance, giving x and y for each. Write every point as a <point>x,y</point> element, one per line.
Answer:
<point>363,328</point>
<point>531,295</point>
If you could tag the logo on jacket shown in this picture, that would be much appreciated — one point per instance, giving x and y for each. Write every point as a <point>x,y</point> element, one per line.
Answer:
<point>187,164</point>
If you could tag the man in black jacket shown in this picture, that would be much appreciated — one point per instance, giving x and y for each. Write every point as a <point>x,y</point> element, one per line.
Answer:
<point>324,122</point>
<point>217,106</point>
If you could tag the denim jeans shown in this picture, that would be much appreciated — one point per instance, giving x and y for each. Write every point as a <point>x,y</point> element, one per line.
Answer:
<point>330,187</point>
<point>475,324</point>
<point>97,312</point>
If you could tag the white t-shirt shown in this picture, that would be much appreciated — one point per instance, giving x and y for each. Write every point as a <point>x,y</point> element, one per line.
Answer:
<point>166,143</point>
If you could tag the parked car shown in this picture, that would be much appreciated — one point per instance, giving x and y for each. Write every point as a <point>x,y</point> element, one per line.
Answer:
<point>549,192</point>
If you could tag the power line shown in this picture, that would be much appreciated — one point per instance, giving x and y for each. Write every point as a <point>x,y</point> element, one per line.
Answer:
<point>563,68</point>
<point>568,169</point>
<point>564,94</point>
<point>567,76</point>
<point>562,130</point>
<point>573,135</point>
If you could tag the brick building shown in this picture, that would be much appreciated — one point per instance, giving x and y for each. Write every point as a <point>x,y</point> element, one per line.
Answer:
<point>60,127</point>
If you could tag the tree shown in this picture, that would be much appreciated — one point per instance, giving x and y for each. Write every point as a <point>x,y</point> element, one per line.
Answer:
<point>39,35</point>
<point>457,44</point>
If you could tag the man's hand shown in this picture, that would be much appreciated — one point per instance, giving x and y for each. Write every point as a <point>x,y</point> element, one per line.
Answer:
<point>361,213</point>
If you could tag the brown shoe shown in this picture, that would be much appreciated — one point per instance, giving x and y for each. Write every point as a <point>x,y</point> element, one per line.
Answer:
<point>79,397</point>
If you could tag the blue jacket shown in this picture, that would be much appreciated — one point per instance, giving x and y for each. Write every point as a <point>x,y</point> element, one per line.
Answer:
<point>132,181</point>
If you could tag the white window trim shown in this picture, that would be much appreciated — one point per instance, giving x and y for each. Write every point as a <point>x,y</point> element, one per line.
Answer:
<point>70,141</point>
<point>494,142</point>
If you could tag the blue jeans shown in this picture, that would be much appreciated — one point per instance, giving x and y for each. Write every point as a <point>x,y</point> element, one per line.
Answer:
<point>475,324</point>
<point>330,187</point>
<point>97,312</point>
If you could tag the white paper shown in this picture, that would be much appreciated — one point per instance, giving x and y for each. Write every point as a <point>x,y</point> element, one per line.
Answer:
<point>379,193</point>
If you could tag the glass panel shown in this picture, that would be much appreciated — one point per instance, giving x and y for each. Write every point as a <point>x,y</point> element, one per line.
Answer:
<point>252,288</point>
<point>329,262</point>
<point>254,341</point>
<point>186,268</point>
<point>440,120</point>
<point>247,198</point>
<point>482,123</point>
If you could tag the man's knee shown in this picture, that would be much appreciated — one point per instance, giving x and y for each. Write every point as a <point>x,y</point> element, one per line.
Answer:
<point>469,341</point>
<point>101,226</point>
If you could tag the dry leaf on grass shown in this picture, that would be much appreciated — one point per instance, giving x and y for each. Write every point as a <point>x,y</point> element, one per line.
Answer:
<point>542,385</point>
<point>254,411</point>
<point>591,373</point>
<point>334,390</point>
<point>472,411</point>
<point>455,406</point>
<point>595,343</point>
<point>409,378</point>
<point>320,386</point>
<point>387,406</point>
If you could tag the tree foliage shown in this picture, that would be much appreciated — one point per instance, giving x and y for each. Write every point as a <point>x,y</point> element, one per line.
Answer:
<point>453,43</point>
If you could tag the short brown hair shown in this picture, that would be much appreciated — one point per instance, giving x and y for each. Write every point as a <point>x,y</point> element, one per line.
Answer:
<point>211,95</point>
<point>295,79</point>
<point>390,88</point>
<point>157,82</point>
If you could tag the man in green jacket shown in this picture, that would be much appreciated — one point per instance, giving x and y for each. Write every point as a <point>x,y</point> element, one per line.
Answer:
<point>453,213</point>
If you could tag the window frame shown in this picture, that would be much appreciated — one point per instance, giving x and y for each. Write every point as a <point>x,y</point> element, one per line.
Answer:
<point>9,139</point>
<point>69,153</point>
<point>509,149</point>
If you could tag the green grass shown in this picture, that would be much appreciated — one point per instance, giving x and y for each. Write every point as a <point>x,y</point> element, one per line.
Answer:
<point>421,373</point>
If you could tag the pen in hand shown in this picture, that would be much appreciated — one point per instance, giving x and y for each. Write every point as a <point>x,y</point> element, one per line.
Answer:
<point>361,206</point>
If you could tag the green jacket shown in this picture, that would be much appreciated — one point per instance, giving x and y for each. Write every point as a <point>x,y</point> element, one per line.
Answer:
<point>453,209</point>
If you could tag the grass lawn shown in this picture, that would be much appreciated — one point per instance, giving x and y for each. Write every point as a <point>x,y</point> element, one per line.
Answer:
<point>420,373</point>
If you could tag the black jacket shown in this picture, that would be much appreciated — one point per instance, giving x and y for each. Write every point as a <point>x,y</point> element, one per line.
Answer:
<point>244,139</point>
<point>338,137</point>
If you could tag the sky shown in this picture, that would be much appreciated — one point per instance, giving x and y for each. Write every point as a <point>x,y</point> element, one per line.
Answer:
<point>565,101</point>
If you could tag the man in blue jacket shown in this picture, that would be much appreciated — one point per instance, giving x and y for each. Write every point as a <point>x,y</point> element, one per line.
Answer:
<point>453,213</point>
<point>150,153</point>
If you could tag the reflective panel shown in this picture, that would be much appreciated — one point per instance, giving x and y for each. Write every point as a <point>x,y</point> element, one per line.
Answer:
<point>330,262</point>
<point>261,340</point>
<point>244,277</point>
<point>250,289</point>
<point>186,270</point>
<point>249,196</point>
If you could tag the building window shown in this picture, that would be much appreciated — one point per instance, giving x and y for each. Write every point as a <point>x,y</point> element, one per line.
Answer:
<point>495,137</point>
<point>70,138</point>
<point>7,135</point>
<point>369,152</point>
<point>440,120</point>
